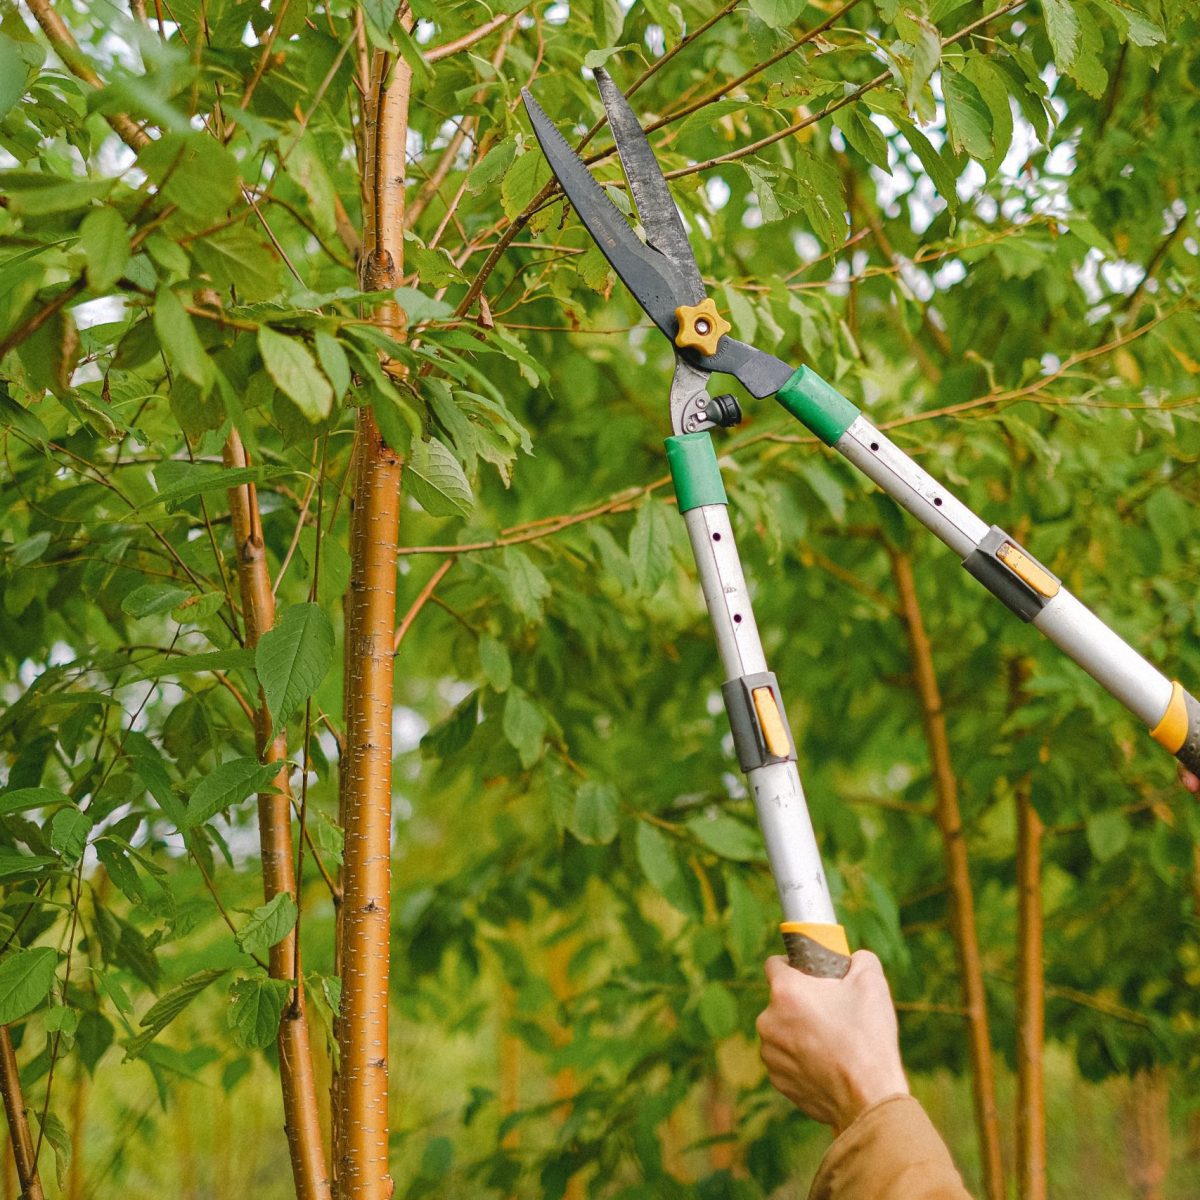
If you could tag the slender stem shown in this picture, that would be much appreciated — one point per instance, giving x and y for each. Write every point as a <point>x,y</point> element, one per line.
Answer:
<point>360,1099</point>
<point>419,603</point>
<point>18,1120</point>
<point>302,1123</point>
<point>1031,1003</point>
<point>962,906</point>
<point>63,42</point>
<point>446,49</point>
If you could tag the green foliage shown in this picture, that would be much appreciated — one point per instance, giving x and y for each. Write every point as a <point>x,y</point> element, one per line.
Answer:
<point>993,251</point>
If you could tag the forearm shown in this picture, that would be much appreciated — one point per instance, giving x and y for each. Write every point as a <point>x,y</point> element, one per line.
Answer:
<point>890,1152</point>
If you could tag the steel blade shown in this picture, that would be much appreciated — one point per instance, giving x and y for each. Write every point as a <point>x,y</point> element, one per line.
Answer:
<point>649,275</point>
<point>655,205</point>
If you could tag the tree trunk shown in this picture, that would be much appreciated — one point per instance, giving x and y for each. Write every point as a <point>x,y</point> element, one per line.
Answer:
<point>962,903</point>
<point>361,1151</point>
<point>18,1120</point>
<point>301,1114</point>
<point>1031,1096</point>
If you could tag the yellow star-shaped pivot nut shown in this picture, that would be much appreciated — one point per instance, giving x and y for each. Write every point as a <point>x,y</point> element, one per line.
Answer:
<point>701,327</point>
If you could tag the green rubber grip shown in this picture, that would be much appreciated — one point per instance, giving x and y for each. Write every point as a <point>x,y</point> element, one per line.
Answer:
<point>817,405</point>
<point>694,471</point>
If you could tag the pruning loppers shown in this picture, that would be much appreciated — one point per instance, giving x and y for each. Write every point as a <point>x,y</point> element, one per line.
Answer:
<point>662,274</point>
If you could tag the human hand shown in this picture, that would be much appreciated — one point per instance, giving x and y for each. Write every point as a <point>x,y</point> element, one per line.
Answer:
<point>832,1046</point>
<point>1189,781</point>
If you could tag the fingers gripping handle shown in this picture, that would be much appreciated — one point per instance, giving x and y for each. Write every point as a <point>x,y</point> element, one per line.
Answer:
<point>1179,729</point>
<point>819,950</point>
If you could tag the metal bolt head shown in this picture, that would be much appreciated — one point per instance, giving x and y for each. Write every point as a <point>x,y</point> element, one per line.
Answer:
<point>702,326</point>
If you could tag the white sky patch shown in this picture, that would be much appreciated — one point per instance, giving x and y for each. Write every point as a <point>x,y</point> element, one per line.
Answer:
<point>408,728</point>
<point>717,191</point>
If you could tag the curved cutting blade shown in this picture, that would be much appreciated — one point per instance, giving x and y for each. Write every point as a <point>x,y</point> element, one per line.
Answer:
<point>656,208</point>
<point>649,275</point>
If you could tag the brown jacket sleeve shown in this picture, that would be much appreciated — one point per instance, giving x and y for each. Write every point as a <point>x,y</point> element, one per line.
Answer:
<point>891,1152</point>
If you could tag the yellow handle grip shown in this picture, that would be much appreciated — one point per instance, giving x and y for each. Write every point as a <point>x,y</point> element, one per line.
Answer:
<point>819,950</point>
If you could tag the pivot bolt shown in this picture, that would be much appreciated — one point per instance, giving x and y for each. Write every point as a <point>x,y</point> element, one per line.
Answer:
<point>701,327</point>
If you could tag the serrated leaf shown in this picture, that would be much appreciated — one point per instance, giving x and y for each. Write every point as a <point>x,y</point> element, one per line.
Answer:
<point>69,831</point>
<point>968,119</point>
<point>268,925</point>
<point>179,340</point>
<point>524,726</point>
<point>164,1010</point>
<point>936,167</point>
<point>491,166</point>
<point>436,481</point>
<point>152,598</point>
<point>778,13</point>
<point>660,864</point>
<point>650,546</point>
<point>25,981</point>
<point>594,813</point>
<point>497,666</point>
<point>17,800</point>
<point>522,181</point>
<point>295,373</point>
<point>236,258</point>
<point>105,245</point>
<point>1063,27</point>
<point>334,362</point>
<point>254,1010</point>
<point>228,784</point>
<point>292,658</point>
<point>728,837</point>
<point>525,584</point>
<point>59,1139</point>
<point>718,1011</point>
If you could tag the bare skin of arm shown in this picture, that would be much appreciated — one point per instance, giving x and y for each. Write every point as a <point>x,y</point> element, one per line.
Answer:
<point>832,1046</point>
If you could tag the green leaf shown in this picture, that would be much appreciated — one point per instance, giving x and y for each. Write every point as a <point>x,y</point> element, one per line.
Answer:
<point>594,815</point>
<point>491,166</point>
<point>295,372</point>
<point>454,732</point>
<point>164,1010</point>
<point>13,75</point>
<point>968,119</point>
<point>650,546</point>
<point>26,977</point>
<point>228,784</point>
<point>59,1139</point>
<point>1063,27</point>
<point>152,598</point>
<point>15,800</point>
<point>778,13</point>
<point>522,181</point>
<point>420,307</point>
<point>194,170</point>
<point>237,259</point>
<point>435,480</point>
<point>1133,26</point>
<point>269,924</point>
<point>822,198</point>
<point>747,920</point>
<point>497,666</point>
<point>292,659</point>
<point>728,837</point>
<point>936,167</point>
<point>526,586</point>
<point>69,833</point>
<point>1107,834</point>
<point>254,1010</point>
<point>334,362</point>
<point>105,245</point>
<point>524,726</point>
<point>180,342</point>
<point>718,1011</point>
<point>197,479</point>
<point>659,862</point>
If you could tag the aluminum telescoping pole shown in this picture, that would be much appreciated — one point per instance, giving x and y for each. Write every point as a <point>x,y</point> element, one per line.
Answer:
<point>816,943</point>
<point>1004,567</point>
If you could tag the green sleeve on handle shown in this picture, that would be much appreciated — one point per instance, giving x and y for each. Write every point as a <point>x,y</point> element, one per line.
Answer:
<point>694,471</point>
<point>817,405</point>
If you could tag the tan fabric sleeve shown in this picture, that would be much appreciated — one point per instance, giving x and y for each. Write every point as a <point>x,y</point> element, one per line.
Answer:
<point>891,1152</point>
